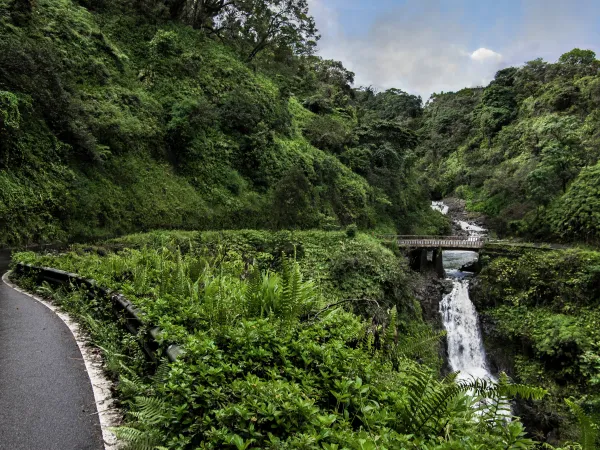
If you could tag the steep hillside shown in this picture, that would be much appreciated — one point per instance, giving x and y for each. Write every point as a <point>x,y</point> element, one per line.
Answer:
<point>540,316</point>
<point>523,150</point>
<point>117,118</point>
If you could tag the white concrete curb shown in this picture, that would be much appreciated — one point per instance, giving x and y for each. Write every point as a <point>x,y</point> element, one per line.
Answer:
<point>108,413</point>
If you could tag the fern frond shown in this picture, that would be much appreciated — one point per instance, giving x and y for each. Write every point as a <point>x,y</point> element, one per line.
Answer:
<point>291,279</point>
<point>136,439</point>
<point>162,372</point>
<point>150,410</point>
<point>130,386</point>
<point>508,389</point>
<point>429,399</point>
<point>589,434</point>
<point>419,345</point>
<point>391,332</point>
<point>252,297</point>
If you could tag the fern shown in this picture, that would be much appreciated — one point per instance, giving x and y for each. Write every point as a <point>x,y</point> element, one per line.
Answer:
<point>150,410</point>
<point>162,372</point>
<point>428,399</point>
<point>424,344</point>
<point>419,345</point>
<point>136,439</point>
<point>253,297</point>
<point>391,333</point>
<point>130,383</point>
<point>589,433</point>
<point>46,291</point>
<point>507,389</point>
<point>290,298</point>
<point>295,296</point>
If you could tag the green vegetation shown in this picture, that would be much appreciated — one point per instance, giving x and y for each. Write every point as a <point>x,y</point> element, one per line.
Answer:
<point>118,117</point>
<point>356,268</point>
<point>541,317</point>
<point>272,359</point>
<point>523,150</point>
<point>121,117</point>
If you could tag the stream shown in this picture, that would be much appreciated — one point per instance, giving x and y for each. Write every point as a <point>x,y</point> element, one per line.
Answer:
<point>466,353</point>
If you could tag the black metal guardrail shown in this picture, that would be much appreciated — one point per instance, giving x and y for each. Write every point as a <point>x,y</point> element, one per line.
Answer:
<point>122,307</point>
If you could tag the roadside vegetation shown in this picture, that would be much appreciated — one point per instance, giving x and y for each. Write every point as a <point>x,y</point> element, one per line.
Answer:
<point>272,358</point>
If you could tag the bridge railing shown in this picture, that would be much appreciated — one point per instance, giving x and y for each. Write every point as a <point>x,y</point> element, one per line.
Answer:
<point>437,241</point>
<point>429,238</point>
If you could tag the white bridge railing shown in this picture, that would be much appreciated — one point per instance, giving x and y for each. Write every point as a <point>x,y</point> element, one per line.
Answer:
<point>439,241</point>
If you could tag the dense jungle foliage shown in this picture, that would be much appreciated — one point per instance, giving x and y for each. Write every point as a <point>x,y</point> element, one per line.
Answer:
<point>272,359</point>
<point>120,116</point>
<point>523,150</point>
<point>541,319</point>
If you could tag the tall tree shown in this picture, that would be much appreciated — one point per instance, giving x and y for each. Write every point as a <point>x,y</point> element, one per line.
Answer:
<point>254,25</point>
<point>197,13</point>
<point>261,24</point>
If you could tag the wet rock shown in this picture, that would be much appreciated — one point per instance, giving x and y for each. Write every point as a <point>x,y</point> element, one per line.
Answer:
<point>457,211</point>
<point>473,267</point>
<point>430,290</point>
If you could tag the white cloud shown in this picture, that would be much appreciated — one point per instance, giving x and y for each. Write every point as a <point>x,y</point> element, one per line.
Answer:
<point>421,47</point>
<point>416,48</point>
<point>485,54</point>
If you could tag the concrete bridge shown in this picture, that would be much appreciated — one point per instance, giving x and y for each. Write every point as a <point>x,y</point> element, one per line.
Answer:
<point>473,243</point>
<point>426,252</point>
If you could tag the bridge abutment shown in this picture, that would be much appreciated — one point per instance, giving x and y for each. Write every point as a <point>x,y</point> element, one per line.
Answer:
<point>427,260</point>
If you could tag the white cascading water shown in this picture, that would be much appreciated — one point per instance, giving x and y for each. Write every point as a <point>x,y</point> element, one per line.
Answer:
<point>441,207</point>
<point>465,346</point>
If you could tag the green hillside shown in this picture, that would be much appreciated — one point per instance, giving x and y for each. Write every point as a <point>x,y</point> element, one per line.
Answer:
<point>117,118</point>
<point>523,150</point>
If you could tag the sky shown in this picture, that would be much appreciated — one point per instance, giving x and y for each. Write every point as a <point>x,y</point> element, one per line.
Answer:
<point>426,46</point>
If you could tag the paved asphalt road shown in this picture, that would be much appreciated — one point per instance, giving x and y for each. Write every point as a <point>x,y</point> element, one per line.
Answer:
<point>46,399</point>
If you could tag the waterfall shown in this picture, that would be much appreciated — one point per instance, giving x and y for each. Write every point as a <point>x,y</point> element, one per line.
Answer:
<point>465,345</point>
<point>441,207</point>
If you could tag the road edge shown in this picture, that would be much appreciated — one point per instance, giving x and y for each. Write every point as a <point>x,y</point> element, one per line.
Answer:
<point>108,414</point>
